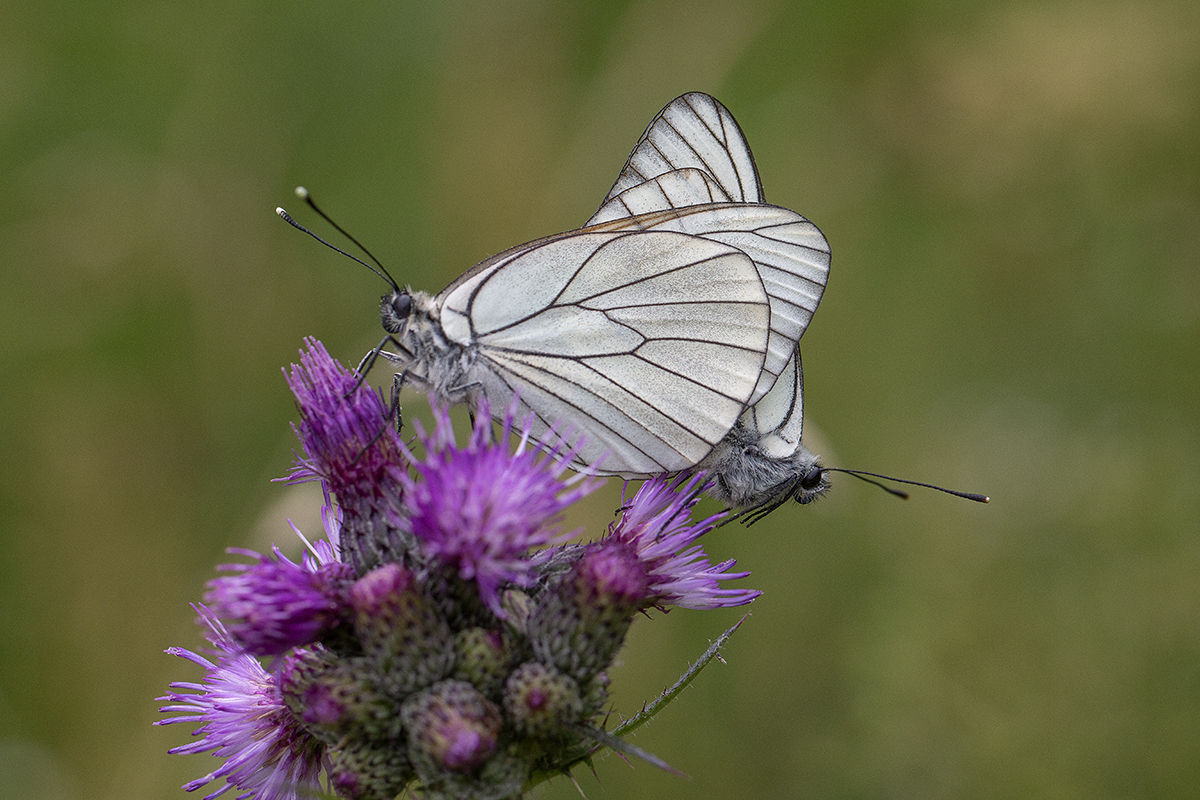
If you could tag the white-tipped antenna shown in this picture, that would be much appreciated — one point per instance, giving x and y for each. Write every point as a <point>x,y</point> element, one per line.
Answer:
<point>377,268</point>
<point>861,475</point>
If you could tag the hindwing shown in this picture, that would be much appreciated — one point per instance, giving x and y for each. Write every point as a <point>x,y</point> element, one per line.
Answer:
<point>692,171</point>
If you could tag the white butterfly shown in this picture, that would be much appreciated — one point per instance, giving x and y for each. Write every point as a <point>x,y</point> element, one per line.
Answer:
<point>664,331</point>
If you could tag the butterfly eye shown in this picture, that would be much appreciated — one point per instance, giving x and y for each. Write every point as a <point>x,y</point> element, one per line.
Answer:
<point>812,485</point>
<point>812,479</point>
<point>394,310</point>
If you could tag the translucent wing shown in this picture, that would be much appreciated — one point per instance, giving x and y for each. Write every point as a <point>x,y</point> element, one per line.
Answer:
<point>778,418</point>
<point>694,131</point>
<point>679,189</point>
<point>694,156</point>
<point>790,253</point>
<point>650,343</point>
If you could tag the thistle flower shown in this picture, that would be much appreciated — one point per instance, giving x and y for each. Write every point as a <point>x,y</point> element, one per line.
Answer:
<point>480,509</point>
<point>275,604</point>
<point>657,525</point>
<point>351,446</point>
<point>442,635</point>
<point>243,719</point>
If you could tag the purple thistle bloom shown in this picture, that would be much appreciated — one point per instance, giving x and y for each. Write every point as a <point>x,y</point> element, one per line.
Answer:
<point>614,575</point>
<point>351,445</point>
<point>244,720</point>
<point>658,526</point>
<point>273,605</point>
<point>480,510</point>
<point>341,415</point>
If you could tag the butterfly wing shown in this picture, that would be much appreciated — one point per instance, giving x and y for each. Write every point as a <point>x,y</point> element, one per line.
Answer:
<point>778,418</point>
<point>693,131</point>
<point>648,343</point>
<point>692,171</point>
<point>790,253</point>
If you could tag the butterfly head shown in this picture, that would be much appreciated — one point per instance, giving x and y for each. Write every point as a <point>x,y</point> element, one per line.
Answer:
<point>394,309</point>
<point>808,481</point>
<point>811,482</point>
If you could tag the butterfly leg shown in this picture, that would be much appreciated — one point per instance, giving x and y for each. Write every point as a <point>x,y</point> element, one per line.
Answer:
<point>369,359</point>
<point>394,409</point>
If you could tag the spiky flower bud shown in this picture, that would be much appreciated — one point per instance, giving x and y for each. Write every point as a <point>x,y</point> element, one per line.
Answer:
<point>451,727</point>
<point>581,620</point>
<point>483,658</point>
<point>370,770</point>
<point>334,697</point>
<point>541,701</point>
<point>517,607</point>
<point>595,694</point>
<point>401,632</point>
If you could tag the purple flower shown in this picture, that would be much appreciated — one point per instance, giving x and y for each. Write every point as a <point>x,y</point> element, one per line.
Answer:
<point>480,510</point>
<point>612,575</point>
<point>412,678</point>
<point>352,446</point>
<point>658,526</point>
<point>345,428</point>
<point>243,719</point>
<point>275,604</point>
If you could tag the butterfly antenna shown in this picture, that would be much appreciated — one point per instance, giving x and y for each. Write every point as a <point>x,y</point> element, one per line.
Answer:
<point>861,475</point>
<point>288,219</point>
<point>304,195</point>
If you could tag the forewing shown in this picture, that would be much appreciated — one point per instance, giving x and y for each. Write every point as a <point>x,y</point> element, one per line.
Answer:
<point>694,131</point>
<point>649,344</point>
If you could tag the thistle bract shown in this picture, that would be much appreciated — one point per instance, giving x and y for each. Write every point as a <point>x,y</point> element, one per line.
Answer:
<point>443,638</point>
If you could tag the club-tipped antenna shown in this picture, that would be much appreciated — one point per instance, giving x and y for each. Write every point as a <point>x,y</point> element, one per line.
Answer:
<point>381,272</point>
<point>862,476</point>
<point>304,195</point>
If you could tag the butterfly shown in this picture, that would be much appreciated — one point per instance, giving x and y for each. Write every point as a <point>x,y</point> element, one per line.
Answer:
<point>664,331</point>
<point>662,335</point>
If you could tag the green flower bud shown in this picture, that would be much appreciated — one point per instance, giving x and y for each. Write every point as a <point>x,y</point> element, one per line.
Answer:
<point>335,698</point>
<point>517,606</point>
<point>451,728</point>
<point>595,695</point>
<point>408,642</point>
<point>482,658</point>
<point>580,621</point>
<point>541,701</point>
<point>370,771</point>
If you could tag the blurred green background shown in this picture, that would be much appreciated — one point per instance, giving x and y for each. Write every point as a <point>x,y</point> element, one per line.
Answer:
<point>1012,193</point>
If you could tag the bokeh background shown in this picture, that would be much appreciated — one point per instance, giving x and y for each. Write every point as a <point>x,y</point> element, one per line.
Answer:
<point>1012,193</point>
